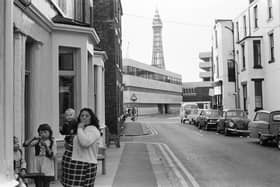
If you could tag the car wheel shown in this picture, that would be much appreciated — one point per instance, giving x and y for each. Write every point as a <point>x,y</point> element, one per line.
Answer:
<point>226,132</point>
<point>278,143</point>
<point>206,127</point>
<point>262,141</point>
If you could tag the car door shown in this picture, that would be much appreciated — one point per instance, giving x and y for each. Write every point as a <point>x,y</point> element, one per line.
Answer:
<point>259,124</point>
<point>220,125</point>
<point>274,122</point>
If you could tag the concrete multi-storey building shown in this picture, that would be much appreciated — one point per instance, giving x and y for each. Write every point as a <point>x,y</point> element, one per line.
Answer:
<point>224,86</point>
<point>47,64</point>
<point>107,22</point>
<point>205,64</point>
<point>256,34</point>
<point>151,89</point>
<point>200,92</point>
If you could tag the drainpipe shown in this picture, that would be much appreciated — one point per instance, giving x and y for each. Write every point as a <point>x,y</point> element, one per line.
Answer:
<point>237,97</point>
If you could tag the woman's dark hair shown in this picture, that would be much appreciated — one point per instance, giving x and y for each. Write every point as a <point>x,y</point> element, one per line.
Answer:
<point>93,118</point>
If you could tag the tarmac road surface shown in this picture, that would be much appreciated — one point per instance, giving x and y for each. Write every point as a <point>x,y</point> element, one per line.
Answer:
<point>214,159</point>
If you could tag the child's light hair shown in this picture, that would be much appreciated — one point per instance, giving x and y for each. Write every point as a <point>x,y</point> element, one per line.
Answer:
<point>70,111</point>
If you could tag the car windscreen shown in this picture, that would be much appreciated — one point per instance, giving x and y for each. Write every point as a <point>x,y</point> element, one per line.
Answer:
<point>212,113</point>
<point>236,113</point>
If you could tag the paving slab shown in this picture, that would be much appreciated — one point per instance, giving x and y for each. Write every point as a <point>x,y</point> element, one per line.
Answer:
<point>135,168</point>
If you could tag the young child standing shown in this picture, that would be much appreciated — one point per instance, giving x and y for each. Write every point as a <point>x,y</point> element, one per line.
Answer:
<point>45,151</point>
<point>69,127</point>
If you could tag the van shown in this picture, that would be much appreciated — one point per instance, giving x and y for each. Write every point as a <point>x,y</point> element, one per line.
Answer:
<point>185,110</point>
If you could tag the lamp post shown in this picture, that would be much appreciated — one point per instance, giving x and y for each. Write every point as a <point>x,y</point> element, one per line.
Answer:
<point>237,97</point>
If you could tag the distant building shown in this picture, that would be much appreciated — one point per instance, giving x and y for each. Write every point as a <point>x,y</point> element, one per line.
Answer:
<point>197,92</point>
<point>224,86</point>
<point>200,92</point>
<point>206,66</point>
<point>256,36</point>
<point>157,56</point>
<point>107,22</point>
<point>156,90</point>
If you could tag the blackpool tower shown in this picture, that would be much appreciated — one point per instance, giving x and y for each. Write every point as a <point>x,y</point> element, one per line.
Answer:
<point>157,58</point>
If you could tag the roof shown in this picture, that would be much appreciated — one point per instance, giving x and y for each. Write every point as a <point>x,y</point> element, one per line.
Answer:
<point>143,66</point>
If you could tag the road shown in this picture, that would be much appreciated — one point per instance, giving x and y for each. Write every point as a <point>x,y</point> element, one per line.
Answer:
<point>214,159</point>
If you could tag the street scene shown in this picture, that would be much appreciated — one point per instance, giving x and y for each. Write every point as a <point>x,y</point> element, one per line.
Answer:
<point>139,93</point>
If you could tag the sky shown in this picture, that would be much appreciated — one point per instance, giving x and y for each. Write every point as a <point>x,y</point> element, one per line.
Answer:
<point>187,30</point>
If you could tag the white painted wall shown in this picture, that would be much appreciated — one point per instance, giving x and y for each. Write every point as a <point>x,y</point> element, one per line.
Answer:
<point>224,52</point>
<point>271,71</point>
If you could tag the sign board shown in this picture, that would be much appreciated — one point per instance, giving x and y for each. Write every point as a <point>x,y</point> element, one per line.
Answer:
<point>133,97</point>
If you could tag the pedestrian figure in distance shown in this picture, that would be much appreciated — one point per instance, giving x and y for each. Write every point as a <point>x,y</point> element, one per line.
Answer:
<point>45,152</point>
<point>79,162</point>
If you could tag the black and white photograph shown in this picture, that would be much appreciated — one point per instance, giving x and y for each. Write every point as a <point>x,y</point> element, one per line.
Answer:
<point>139,93</point>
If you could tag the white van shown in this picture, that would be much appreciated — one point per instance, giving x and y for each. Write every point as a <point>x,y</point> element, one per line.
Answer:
<point>185,110</point>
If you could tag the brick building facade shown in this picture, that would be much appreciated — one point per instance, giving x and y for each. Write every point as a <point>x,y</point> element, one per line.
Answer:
<point>107,22</point>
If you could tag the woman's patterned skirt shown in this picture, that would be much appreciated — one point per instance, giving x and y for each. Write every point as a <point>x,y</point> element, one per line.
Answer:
<point>77,173</point>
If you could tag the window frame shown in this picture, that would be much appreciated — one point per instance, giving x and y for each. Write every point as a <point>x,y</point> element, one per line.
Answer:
<point>258,95</point>
<point>269,10</point>
<point>256,20</point>
<point>68,74</point>
<point>257,54</point>
<point>271,47</point>
<point>243,56</point>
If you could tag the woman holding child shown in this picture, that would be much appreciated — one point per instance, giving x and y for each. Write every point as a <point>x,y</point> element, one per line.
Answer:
<point>79,162</point>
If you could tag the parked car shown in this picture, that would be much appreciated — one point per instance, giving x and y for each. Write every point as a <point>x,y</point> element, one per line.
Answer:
<point>266,127</point>
<point>185,110</point>
<point>208,119</point>
<point>192,117</point>
<point>233,121</point>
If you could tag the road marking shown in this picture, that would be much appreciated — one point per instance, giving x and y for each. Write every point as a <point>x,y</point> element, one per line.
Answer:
<point>171,158</point>
<point>181,166</point>
<point>173,166</point>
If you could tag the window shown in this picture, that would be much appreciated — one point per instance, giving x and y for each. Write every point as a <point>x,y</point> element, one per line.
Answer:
<point>269,5</point>
<point>237,31</point>
<point>258,94</point>
<point>217,60</point>
<point>83,11</point>
<point>256,16</point>
<point>216,38</point>
<point>261,116</point>
<point>257,53</point>
<point>245,26</point>
<point>231,71</point>
<point>243,57</point>
<point>271,46</point>
<point>129,70</point>
<point>244,88</point>
<point>66,80</point>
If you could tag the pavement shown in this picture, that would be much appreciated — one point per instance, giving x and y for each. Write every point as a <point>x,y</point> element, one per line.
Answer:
<point>133,164</point>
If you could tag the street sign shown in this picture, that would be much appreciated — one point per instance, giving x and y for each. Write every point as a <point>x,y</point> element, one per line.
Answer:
<point>133,97</point>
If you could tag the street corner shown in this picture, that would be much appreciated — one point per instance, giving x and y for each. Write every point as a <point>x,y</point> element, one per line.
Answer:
<point>138,129</point>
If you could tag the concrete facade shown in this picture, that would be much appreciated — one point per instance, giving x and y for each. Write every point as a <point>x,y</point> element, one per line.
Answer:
<point>259,70</point>
<point>6,89</point>
<point>153,96</point>
<point>197,92</point>
<point>30,88</point>
<point>205,65</point>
